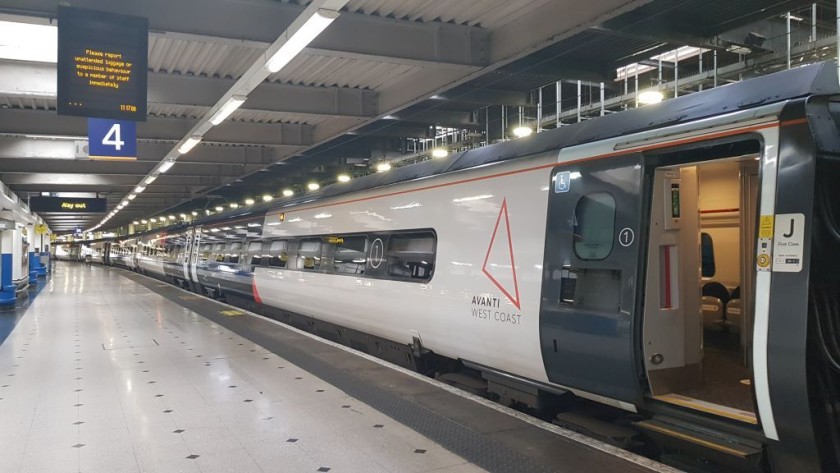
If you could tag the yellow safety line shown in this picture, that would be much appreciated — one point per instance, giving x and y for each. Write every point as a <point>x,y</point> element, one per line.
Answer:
<point>742,416</point>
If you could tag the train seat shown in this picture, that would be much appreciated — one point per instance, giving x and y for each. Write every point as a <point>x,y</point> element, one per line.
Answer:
<point>712,309</point>
<point>733,315</point>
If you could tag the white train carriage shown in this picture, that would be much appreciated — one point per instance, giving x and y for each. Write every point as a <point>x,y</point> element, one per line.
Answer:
<point>658,261</point>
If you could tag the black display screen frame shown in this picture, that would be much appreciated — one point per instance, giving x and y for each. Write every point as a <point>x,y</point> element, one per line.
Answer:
<point>70,205</point>
<point>80,29</point>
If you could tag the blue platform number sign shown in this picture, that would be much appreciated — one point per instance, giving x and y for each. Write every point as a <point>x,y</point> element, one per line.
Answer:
<point>562,181</point>
<point>112,138</point>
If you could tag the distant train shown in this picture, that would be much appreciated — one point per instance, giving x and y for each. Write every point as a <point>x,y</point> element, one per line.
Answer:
<point>679,263</point>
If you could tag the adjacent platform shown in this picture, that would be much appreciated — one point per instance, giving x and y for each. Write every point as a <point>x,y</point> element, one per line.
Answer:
<point>111,371</point>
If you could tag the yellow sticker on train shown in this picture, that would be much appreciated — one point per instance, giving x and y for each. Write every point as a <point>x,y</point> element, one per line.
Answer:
<point>765,226</point>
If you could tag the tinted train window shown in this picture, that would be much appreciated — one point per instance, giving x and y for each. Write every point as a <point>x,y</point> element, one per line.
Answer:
<point>205,253</point>
<point>233,252</point>
<point>309,254</point>
<point>350,254</point>
<point>594,227</point>
<point>279,254</point>
<point>219,252</point>
<point>255,250</point>
<point>411,255</point>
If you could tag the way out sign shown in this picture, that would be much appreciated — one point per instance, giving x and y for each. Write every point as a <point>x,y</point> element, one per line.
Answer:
<point>112,139</point>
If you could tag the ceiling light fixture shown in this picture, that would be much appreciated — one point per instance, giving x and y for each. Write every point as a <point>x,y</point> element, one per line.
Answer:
<point>150,179</point>
<point>440,153</point>
<point>189,144</point>
<point>649,97</point>
<point>229,107</point>
<point>132,196</point>
<point>522,131</point>
<point>139,189</point>
<point>219,208</point>
<point>194,213</point>
<point>234,205</point>
<point>343,178</point>
<point>382,167</point>
<point>165,166</point>
<point>317,23</point>
<point>249,201</point>
<point>267,198</point>
<point>28,42</point>
<point>288,192</point>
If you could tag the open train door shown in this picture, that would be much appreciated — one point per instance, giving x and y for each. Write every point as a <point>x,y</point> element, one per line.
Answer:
<point>589,301</point>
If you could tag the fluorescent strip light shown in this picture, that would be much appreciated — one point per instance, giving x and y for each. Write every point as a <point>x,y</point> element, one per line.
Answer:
<point>124,203</point>
<point>132,196</point>
<point>28,42</point>
<point>150,179</point>
<point>167,165</point>
<point>189,144</point>
<point>139,189</point>
<point>229,107</point>
<point>300,39</point>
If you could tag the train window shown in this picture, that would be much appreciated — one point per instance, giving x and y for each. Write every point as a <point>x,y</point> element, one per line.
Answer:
<point>411,255</point>
<point>233,252</point>
<point>219,252</point>
<point>255,251</point>
<point>309,254</point>
<point>707,255</point>
<point>278,254</point>
<point>205,253</point>
<point>594,228</point>
<point>350,254</point>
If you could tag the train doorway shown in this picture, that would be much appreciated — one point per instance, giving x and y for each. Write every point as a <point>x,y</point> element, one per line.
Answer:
<point>697,322</point>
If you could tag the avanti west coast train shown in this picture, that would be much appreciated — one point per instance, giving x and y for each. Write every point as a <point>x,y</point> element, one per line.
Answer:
<point>679,263</point>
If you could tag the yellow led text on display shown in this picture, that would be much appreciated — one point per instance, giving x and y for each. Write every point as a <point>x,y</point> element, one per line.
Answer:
<point>103,69</point>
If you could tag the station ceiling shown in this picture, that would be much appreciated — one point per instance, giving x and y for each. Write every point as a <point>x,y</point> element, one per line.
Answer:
<point>385,70</point>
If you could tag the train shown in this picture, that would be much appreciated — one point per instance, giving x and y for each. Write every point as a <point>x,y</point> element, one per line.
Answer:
<point>673,268</point>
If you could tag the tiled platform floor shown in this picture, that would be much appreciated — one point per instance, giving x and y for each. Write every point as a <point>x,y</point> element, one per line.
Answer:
<point>103,375</point>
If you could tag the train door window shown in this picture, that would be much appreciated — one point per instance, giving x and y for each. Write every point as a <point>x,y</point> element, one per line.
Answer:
<point>309,254</point>
<point>594,226</point>
<point>233,252</point>
<point>707,255</point>
<point>255,253</point>
<point>219,252</point>
<point>411,256</point>
<point>278,254</point>
<point>350,254</point>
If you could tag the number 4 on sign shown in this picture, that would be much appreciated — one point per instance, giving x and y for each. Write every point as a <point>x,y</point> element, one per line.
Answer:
<point>112,138</point>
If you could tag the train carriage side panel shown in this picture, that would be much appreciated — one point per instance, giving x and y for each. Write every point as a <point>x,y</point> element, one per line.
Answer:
<point>482,304</point>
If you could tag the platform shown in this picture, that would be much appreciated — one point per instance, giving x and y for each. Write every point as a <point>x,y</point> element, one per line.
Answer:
<point>110,371</point>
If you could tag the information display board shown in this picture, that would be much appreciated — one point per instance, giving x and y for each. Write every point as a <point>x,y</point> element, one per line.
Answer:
<point>73,205</point>
<point>102,64</point>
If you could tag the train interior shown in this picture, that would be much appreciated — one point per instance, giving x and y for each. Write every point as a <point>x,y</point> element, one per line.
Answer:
<point>700,272</point>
